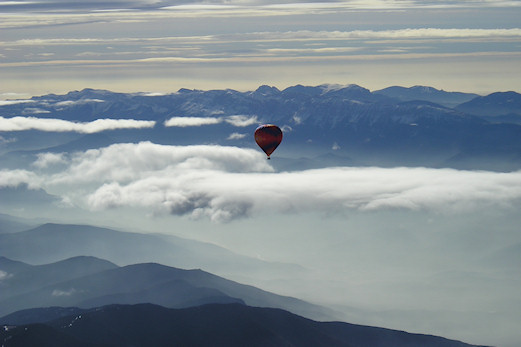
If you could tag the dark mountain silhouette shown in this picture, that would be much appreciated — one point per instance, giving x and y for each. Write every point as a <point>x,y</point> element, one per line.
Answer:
<point>209,325</point>
<point>39,315</point>
<point>37,335</point>
<point>494,105</point>
<point>9,266</point>
<point>24,278</point>
<point>102,283</point>
<point>394,126</point>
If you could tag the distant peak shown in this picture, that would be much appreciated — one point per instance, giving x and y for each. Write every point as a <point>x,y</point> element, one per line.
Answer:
<point>2,258</point>
<point>424,89</point>
<point>88,258</point>
<point>84,260</point>
<point>300,89</point>
<point>508,93</point>
<point>334,87</point>
<point>355,86</point>
<point>267,90</point>
<point>88,92</point>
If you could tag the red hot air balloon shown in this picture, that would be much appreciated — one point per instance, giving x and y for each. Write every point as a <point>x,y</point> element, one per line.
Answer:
<point>268,137</point>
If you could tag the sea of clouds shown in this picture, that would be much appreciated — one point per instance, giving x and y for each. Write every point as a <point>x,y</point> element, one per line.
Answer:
<point>223,183</point>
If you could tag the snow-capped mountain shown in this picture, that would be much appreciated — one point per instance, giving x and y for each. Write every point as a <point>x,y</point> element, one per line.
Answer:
<point>390,127</point>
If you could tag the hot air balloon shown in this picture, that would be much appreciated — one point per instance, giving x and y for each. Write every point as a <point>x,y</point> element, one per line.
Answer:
<point>268,137</point>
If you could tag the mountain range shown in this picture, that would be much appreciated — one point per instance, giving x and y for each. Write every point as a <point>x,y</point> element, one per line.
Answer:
<point>51,242</point>
<point>84,301</point>
<point>151,287</point>
<point>417,126</point>
<point>64,282</point>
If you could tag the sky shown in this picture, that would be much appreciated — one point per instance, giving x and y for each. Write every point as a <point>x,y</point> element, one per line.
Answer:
<point>162,46</point>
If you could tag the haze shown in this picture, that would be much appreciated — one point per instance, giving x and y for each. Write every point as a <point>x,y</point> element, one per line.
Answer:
<point>419,249</point>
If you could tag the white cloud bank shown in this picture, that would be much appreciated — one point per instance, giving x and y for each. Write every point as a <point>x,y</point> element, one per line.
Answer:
<point>69,103</point>
<point>296,36</point>
<point>47,159</point>
<point>224,183</point>
<point>241,120</point>
<point>128,162</point>
<point>14,102</point>
<point>14,178</point>
<point>191,121</point>
<point>60,125</point>
<point>4,275</point>
<point>235,120</point>
<point>222,196</point>
<point>236,136</point>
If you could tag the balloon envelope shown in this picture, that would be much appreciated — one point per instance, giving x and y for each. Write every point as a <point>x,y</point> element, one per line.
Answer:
<point>268,137</point>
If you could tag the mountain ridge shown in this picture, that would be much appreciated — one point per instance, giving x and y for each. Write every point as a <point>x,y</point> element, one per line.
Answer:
<point>494,105</point>
<point>419,126</point>
<point>131,284</point>
<point>215,325</point>
<point>448,99</point>
<point>51,242</point>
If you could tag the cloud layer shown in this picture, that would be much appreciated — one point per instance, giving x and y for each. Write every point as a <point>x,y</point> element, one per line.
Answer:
<point>235,120</point>
<point>223,196</point>
<point>60,125</point>
<point>225,183</point>
<point>191,121</point>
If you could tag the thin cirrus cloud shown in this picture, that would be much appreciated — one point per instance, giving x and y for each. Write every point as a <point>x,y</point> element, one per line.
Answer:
<point>222,183</point>
<point>324,47</point>
<point>303,35</point>
<point>277,36</point>
<point>261,46</point>
<point>60,125</point>
<point>259,7</point>
<point>236,136</point>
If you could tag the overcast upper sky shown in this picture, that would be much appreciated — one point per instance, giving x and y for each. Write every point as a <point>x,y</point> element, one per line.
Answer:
<point>161,46</point>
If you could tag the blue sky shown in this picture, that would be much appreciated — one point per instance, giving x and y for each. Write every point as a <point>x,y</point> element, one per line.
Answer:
<point>161,46</point>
